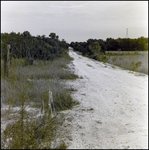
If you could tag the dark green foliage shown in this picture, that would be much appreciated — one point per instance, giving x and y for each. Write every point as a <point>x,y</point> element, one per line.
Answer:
<point>4,57</point>
<point>93,46</point>
<point>35,132</point>
<point>96,49</point>
<point>62,100</point>
<point>39,74</point>
<point>90,47</point>
<point>68,76</point>
<point>99,57</point>
<point>126,44</point>
<point>27,46</point>
<point>33,72</point>
<point>29,131</point>
<point>134,60</point>
<point>112,44</point>
<point>28,61</point>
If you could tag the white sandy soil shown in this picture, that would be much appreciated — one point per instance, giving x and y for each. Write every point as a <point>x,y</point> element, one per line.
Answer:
<point>113,110</point>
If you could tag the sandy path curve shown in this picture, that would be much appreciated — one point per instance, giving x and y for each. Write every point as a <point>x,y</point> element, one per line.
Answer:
<point>113,110</point>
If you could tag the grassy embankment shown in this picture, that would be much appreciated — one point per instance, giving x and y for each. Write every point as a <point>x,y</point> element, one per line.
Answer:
<point>130,60</point>
<point>29,86</point>
<point>134,60</point>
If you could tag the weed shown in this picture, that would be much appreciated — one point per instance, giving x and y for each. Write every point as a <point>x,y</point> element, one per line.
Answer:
<point>30,84</point>
<point>138,64</point>
<point>68,76</point>
<point>89,65</point>
<point>62,145</point>
<point>99,57</point>
<point>134,61</point>
<point>114,59</point>
<point>81,77</point>
<point>71,89</point>
<point>35,132</point>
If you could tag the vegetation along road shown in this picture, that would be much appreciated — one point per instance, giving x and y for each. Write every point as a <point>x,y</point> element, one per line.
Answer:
<point>113,107</point>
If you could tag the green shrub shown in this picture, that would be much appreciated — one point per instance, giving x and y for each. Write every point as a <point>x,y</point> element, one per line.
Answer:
<point>133,61</point>
<point>99,56</point>
<point>28,61</point>
<point>30,136</point>
<point>68,76</point>
<point>31,84</point>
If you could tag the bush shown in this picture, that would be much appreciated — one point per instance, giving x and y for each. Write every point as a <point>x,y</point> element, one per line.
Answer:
<point>28,61</point>
<point>33,133</point>
<point>19,90</point>
<point>99,56</point>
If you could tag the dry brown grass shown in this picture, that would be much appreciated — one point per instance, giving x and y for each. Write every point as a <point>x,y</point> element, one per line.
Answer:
<point>134,61</point>
<point>17,90</point>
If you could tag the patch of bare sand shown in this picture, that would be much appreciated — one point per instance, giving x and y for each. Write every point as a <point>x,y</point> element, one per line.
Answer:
<point>113,108</point>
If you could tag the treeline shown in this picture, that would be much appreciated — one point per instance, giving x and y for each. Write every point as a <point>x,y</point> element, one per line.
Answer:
<point>24,45</point>
<point>93,46</point>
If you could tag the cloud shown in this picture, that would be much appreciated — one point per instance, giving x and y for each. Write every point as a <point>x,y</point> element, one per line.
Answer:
<point>80,18</point>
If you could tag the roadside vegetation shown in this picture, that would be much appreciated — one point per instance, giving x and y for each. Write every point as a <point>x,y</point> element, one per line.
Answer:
<point>33,89</point>
<point>134,60</point>
<point>131,54</point>
<point>25,86</point>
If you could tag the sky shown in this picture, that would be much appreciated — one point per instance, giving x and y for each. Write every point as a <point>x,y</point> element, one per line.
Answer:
<point>76,20</point>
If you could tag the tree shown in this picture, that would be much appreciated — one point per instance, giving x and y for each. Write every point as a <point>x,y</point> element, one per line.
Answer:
<point>142,41</point>
<point>94,47</point>
<point>28,46</point>
<point>4,57</point>
<point>52,35</point>
<point>112,44</point>
<point>25,45</point>
<point>103,45</point>
<point>63,44</point>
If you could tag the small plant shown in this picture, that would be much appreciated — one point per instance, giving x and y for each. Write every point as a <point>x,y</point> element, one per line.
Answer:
<point>89,65</point>
<point>68,76</point>
<point>28,61</point>
<point>99,56</point>
<point>72,89</point>
<point>81,77</point>
<point>31,84</point>
<point>114,59</point>
<point>138,64</point>
<point>134,61</point>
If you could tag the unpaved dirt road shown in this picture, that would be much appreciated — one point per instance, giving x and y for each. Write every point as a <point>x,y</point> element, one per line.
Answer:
<point>113,110</point>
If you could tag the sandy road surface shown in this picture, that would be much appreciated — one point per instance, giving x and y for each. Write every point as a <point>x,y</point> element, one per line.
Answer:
<point>113,110</point>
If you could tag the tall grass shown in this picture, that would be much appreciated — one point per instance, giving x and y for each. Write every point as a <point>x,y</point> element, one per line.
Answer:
<point>131,60</point>
<point>30,84</point>
<point>37,134</point>
<point>134,61</point>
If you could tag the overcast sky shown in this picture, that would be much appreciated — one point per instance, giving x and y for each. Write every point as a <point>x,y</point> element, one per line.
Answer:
<point>76,20</point>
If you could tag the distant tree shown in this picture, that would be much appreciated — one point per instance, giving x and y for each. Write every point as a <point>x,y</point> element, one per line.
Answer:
<point>4,57</point>
<point>57,37</point>
<point>142,41</point>
<point>72,44</point>
<point>28,46</point>
<point>94,47</point>
<point>89,41</point>
<point>103,45</point>
<point>63,44</point>
<point>52,35</point>
<point>24,45</point>
<point>112,44</point>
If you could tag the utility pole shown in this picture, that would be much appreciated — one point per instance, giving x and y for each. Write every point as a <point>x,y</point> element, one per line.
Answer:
<point>8,58</point>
